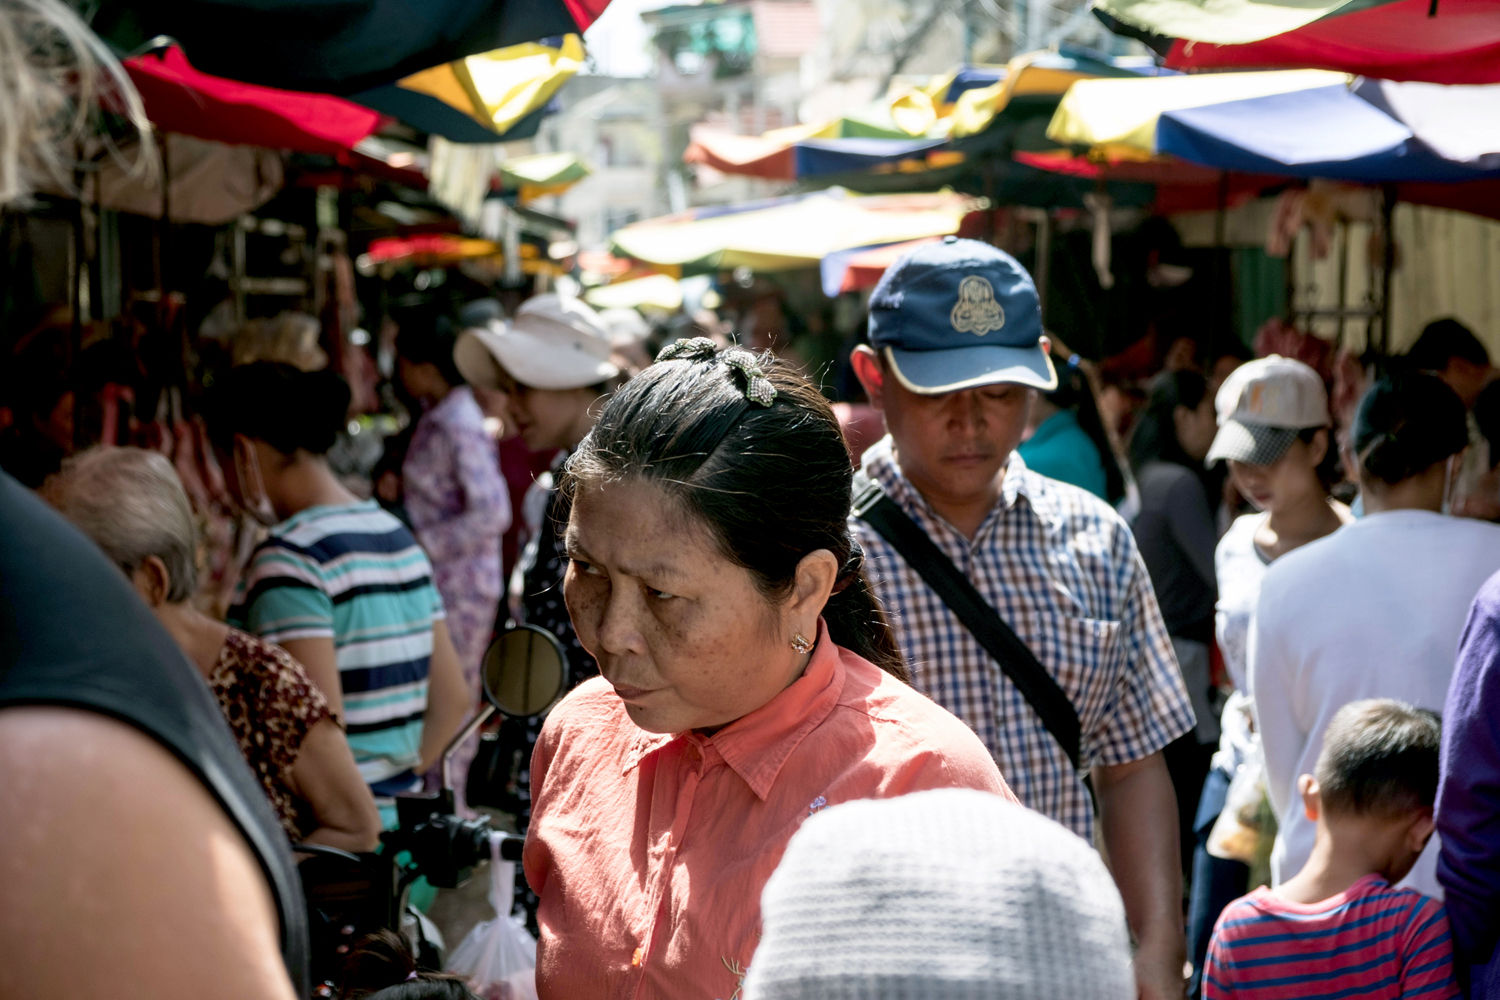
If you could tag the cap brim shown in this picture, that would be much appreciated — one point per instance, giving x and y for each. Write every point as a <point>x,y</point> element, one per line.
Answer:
<point>1252,444</point>
<point>932,372</point>
<point>484,354</point>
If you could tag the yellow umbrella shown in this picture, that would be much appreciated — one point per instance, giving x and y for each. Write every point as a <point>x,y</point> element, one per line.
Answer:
<point>500,88</point>
<point>656,291</point>
<point>542,174</point>
<point>1043,73</point>
<point>792,233</point>
<point>1117,118</point>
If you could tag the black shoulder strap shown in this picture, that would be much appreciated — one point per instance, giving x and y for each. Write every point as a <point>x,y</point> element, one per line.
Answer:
<point>1051,704</point>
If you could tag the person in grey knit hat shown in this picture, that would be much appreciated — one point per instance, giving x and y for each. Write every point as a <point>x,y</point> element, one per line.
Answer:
<point>940,895</point>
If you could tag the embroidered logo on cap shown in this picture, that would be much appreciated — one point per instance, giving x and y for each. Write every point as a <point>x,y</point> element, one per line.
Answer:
<point>976,310</point>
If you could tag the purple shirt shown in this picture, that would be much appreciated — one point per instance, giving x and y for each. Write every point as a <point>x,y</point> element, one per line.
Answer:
<point>1468,800</point>
<point>456,497</point>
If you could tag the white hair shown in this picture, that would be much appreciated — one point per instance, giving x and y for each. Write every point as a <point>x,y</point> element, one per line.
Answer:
<point>130,502</point>
<point>53,70</point>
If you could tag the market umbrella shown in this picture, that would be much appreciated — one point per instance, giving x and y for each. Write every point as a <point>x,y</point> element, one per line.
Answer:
<point>1291,123</point>
<point>541,174</point>
<point>656,291</point>
<point>789,233</point>
<point>1376,131</point>
<point>781,157</point>
<point>337,46</point>
<point>1438,41</point>
<point>492,97</point>
<point>1117,118</point>
<point>862,267</point>
<point>180,98</point>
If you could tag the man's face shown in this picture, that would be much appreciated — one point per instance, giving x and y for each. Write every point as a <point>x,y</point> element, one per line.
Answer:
<point>952,446</point>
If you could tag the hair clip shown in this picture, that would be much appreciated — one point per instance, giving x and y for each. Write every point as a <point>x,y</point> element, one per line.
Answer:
<point>693,349</point>
<point>758,388</point>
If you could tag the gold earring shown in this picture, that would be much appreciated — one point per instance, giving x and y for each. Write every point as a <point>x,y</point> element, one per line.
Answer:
<point>801,643</point>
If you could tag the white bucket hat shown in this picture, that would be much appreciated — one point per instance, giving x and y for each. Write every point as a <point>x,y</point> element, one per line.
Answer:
<point>552,343</point>
<point>952,894</point>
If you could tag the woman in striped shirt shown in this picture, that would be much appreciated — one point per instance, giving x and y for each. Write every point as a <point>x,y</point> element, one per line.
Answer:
<point>338,582</point>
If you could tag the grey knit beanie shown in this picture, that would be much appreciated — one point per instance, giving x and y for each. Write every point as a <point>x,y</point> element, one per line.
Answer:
<point>943,895</point>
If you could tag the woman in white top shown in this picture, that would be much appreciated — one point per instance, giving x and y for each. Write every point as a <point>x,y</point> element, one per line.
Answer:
<point>1274,433</point>
<point>1376,609</point>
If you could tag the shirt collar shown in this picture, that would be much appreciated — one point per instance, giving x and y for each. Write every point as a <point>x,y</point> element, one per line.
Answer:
<point>757,746</point>
<point>880,464</point>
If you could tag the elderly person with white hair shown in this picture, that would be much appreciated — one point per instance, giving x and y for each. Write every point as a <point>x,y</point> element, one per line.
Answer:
<point>132,505</point>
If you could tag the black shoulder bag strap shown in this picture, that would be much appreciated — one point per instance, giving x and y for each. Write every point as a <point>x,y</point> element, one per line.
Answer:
<point>1051,704</point>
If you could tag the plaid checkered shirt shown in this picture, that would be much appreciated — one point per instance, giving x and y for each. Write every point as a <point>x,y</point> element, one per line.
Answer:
<point>1062,569</point>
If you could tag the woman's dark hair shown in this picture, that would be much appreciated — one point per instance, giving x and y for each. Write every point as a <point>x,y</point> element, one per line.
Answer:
<point>1487,416</point>
<point>1406,424</point>
<point>381,967</point>
<point>1330,470</point>
<point>289,409</point>
<point>1155,436</point>
<point>772,483</point>
<point>1076,392</point>
<point>427,336</point>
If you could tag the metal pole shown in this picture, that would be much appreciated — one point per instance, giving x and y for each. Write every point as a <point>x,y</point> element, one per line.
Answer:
<point>1388,266</point>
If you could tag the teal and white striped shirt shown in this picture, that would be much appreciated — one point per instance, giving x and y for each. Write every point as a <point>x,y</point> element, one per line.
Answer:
<point>356,575</point>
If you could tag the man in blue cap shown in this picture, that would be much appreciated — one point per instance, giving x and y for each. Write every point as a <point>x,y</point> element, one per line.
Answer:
<point>955,358</point>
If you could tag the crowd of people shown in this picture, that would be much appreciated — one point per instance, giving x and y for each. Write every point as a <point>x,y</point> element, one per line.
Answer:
<point>1003,704</point>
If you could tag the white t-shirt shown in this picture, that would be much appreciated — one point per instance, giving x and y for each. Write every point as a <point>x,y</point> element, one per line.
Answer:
<point>1239,567</point>
<point>1374,610</point>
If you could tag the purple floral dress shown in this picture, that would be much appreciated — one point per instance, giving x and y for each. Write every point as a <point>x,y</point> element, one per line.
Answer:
<point>459,507</point>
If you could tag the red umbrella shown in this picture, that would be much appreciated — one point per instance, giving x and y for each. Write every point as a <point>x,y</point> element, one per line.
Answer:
<point>181,99</point>
<point>1436,41</point>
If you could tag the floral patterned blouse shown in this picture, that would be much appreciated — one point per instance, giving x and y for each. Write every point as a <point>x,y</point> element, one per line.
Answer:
<point>270,704</point>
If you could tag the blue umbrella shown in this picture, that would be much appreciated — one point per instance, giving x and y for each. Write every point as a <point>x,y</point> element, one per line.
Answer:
<point>1374,132</point>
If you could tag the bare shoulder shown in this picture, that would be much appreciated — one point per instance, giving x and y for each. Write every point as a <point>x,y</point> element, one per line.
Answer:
<point>123,877</point>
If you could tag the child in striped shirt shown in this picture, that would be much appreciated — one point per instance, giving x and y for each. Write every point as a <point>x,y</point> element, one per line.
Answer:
<point>1340,927</point>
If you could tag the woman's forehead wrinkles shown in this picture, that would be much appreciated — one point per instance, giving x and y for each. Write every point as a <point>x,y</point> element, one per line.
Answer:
<point>646,568</point>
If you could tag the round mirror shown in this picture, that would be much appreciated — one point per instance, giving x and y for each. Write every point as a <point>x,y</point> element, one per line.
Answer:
<point>525,671</point>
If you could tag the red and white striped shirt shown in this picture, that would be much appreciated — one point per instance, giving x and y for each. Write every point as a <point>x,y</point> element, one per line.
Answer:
<point>1370,941</point>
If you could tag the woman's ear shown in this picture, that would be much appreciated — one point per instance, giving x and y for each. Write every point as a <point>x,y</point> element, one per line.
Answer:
<point>1317,448</point>
<point>152,581</point>
<point>811,584</point>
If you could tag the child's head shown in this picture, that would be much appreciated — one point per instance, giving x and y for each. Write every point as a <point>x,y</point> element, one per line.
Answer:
<point>1376,779</point>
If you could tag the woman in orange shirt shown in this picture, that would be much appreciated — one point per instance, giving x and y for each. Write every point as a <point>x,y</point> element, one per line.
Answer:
<point>749,679</point>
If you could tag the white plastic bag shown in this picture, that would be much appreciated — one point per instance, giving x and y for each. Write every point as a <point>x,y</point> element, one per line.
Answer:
<point>498,957</point>
<point>1238,830</point>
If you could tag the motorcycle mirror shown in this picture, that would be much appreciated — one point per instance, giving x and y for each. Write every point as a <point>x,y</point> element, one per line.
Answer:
<point>524,671</point>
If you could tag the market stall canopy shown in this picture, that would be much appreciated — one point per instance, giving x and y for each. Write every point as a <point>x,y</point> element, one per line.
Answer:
<point>492,97</point>
<point>532,177</point>
<point>789,233</point>
<point>861,267</point>
<point>1117,118</point>
<point>1438,41</point>
<point>914,129</point>
<point>208,183</point>
<point>337,46</point>
<point>780,157</point>
<point>1374,132</point>
<point>180,98</point>
<point>1043,77</point>
<point>443,249</point>
<point>655,291</point>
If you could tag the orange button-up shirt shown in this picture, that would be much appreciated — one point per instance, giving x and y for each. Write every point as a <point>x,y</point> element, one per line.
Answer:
<point>649,851</point>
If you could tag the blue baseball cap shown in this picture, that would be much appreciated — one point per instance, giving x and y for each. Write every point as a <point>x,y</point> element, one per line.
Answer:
<point>957,315</point>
